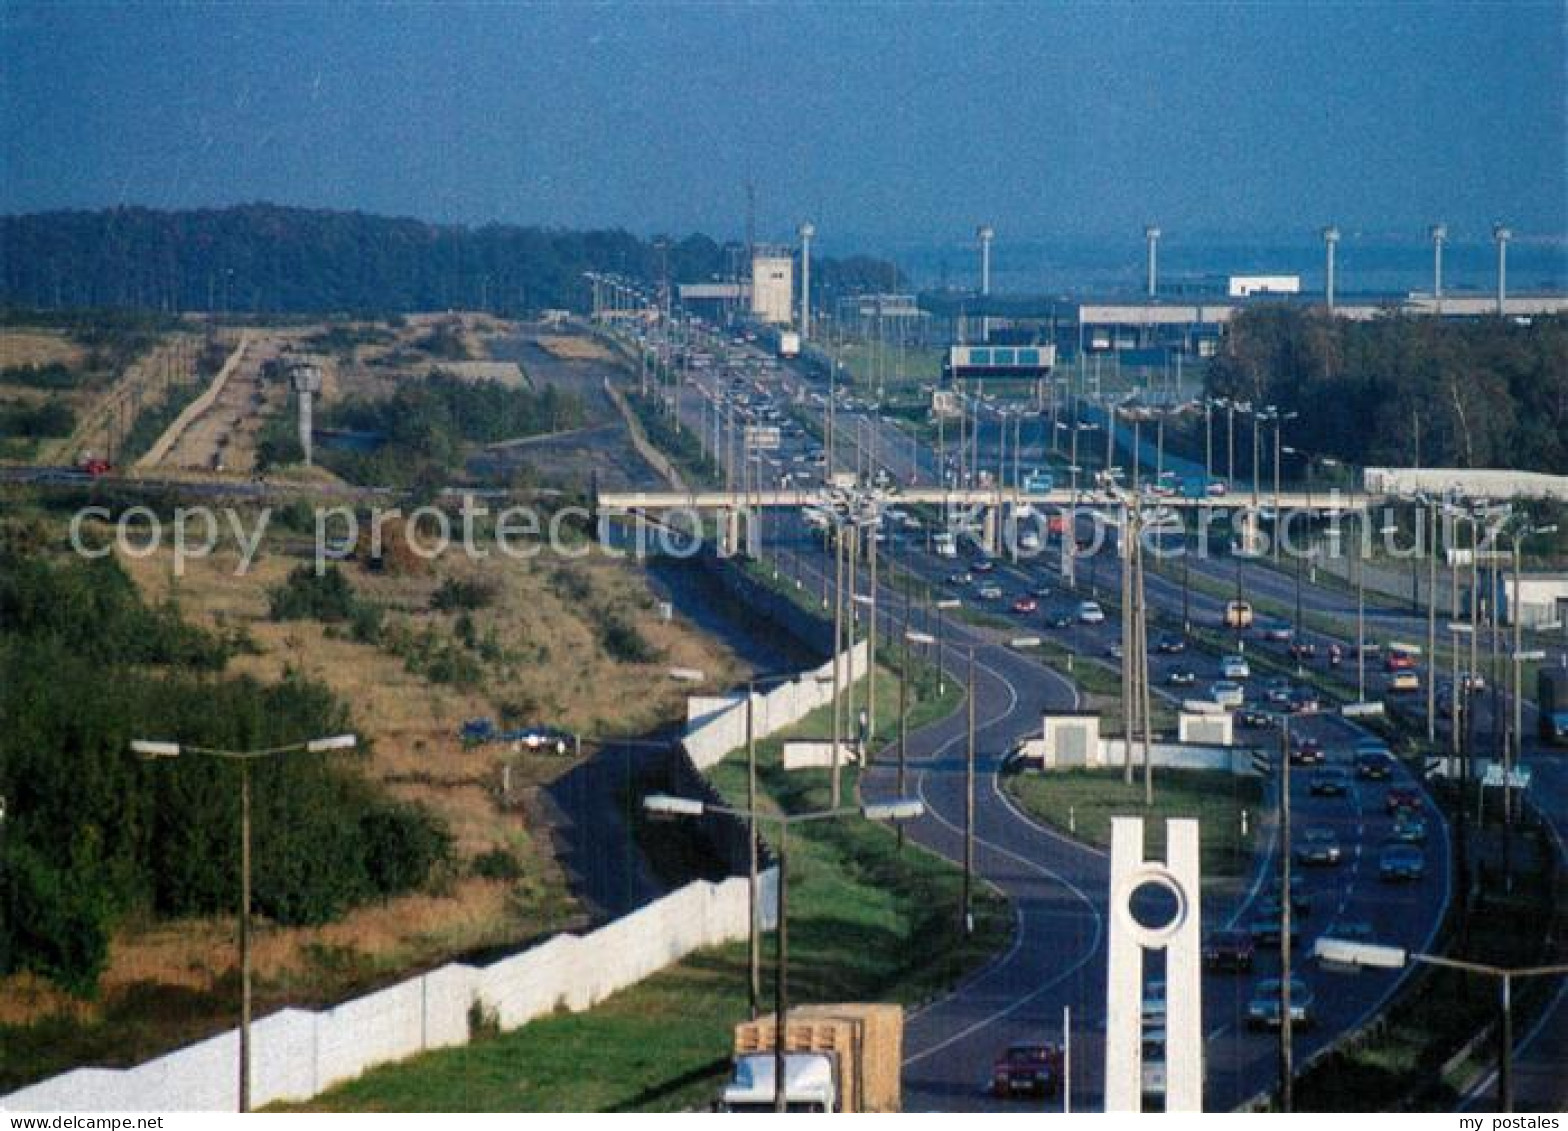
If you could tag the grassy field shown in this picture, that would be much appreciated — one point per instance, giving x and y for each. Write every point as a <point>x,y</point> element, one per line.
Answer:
<point>867,922</point>
<point>1083,801</point>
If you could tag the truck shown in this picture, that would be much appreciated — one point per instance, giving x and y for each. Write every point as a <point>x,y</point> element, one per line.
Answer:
<point>837,1058</point>
<point>1551,702</point>
<point>789,343</point>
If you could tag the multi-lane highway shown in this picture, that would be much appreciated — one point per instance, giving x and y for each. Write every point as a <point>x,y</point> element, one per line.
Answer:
<point>1057,885</point>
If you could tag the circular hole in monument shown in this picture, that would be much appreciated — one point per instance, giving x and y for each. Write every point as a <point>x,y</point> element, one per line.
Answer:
<point>1154,905</point>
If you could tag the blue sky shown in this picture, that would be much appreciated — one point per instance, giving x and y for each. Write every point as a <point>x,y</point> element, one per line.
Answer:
<point>883,122</point>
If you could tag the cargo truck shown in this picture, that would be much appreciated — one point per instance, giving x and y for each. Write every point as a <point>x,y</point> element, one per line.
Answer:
<point>1551,702</point>
<point>837,1058</point>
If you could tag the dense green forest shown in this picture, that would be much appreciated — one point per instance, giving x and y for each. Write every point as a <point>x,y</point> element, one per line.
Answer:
<point>1476,393</point>
<point>425,424</point>
<point>92,833</point>
<point>265,258</point>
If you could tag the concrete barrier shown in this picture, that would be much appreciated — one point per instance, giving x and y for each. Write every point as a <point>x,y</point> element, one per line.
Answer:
<point>160,448</point>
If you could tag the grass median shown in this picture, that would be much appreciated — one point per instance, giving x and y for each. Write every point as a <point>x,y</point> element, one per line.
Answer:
<point>1082,803</point>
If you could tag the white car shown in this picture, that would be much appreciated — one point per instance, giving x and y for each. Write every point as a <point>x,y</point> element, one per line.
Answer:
<point>990,592</point>
<point>1227,694</point>
<point>1235,667</point>
<point>1089,612</point>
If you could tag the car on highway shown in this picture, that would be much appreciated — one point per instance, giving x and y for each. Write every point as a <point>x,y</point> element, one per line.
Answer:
<point>1255,716</point>
<point>1305,701</point>
<point>1307,751</point>
<point>1089,612</point>
<point>1170,644</point>
<point>1402,798</point>
<point>1115,651</point>
<point>1401,862</point>
<point>1041,590</point>
<point>1025,604</point>
<point>1027,1069</point>
<point>962,578</point>
<point>1398,661</point>
<point>1278,633</point>
<point>1227,693</point>
<point>1060,620</point>
<point>1319,847</point>
<point>1154,1003</point>
<point>1330,781</point>
<point>1277,691</point>
<point>1235,667</point>
<point>1409,828</point>
<point>990,591</point>
<point>1374,765</point>
<point>1229,952</point>
<point>1300,897</point>
<point>1266,1008</point>
<point>1404,682</point>
<point>982,565</point>
<point>1238,615</point>
<point>1181,677</point>
<point>1303,649</point>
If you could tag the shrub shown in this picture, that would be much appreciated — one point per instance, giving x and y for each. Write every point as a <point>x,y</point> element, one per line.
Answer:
<point>498,864</point>
<point>307,595</point>
<point>455,593</point>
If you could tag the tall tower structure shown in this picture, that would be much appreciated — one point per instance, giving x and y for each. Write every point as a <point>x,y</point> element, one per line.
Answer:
<point>1439,233</point>
<point>807,231</point>
<point>305,377</point>
<point>985,233</point>
<point>1501,233</point>
<point>1152,235</point>
<point>1330,243</point>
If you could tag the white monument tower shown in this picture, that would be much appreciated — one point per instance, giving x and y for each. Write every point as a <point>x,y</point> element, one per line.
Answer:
<point>1181,939</point>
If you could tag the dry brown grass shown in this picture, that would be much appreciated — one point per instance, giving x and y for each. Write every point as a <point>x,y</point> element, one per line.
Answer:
<point>573,348</point>
<point>411,728</point>
<point>37,347</point>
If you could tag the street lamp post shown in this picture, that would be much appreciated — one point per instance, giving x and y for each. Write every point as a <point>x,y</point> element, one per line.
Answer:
<point>900,809</point>
<point>153,749</point>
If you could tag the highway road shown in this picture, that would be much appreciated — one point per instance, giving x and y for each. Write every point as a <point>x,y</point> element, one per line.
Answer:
<point>1058,886</point>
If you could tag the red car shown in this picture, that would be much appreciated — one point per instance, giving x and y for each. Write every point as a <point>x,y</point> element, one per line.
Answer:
<point>1030,1068</point>
<point>1402,798</point>
<point>1399,662</point>
<point>1026,604</point>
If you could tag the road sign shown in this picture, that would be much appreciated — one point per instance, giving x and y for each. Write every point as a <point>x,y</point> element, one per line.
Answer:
<point>1518,777</point>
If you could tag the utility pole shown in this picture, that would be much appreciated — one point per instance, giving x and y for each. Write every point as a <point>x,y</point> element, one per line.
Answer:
<point>1287,1068</point>
<point>753,931</point>
<point>969,806</point>
<point>838,652</point>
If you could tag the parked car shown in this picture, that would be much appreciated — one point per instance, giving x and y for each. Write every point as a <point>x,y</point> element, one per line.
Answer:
<point>1228,952</point>
<point>1235,667</point>
<point>1227,694</point>
<point>1401,862</point>
<point>1181,677</point>
<point>1033,1069</point>
<point>1331,781</point>
<point>1025,604</point>
<point>1266,1009</point>
<point>1319,847</point>
<point>1089,612</point>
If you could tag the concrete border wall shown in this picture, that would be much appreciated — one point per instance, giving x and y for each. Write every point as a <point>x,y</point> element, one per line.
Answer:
<point>298,1053</point>
<point>155,454</point>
